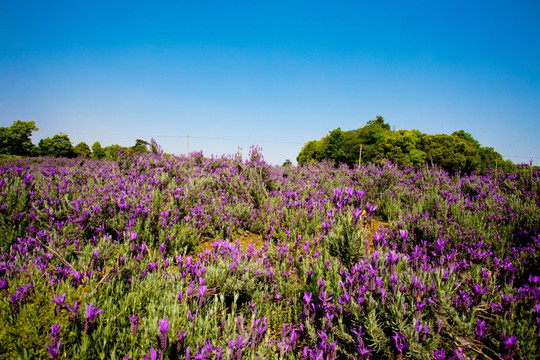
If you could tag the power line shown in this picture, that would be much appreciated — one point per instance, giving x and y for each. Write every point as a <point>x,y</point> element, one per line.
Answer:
<point>226,139</point>
<point>184,137</point>
<point>521,156</point>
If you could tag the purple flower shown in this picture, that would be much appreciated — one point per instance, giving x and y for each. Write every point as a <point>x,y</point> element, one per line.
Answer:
<point>54,350</point>
<point>439,354</point>
<point>59,300</point>
<point>55,332</point>
<point>92,312</point>
<point>134,323</point>
<point>480,329</point>
<point>163,339</point>
<point>307,297</point>
<point>509,341</point>
<point>439,245</point>
<point>4,285</point>
<point>91,315</point>
<point>237,345</point>
<point>371,208</point>
<point>73,310</point>
<point>400,341</point>
<point>180,336</point>
<point>153,355</point>
<point>164,325</point>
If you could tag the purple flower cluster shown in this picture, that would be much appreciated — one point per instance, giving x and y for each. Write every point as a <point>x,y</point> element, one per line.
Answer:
<point>244,259</point>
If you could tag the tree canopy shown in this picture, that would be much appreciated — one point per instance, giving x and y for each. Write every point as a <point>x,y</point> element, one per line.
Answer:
<point>458,151</point>
<point>15,140</point>
<point>58,146</point>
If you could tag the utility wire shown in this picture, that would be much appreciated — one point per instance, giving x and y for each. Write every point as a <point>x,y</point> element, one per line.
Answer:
<point>228,139</point>
<point>183,137</point>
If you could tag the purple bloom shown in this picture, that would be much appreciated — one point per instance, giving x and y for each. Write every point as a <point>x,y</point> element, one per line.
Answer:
<point>164,325</point>
<point>55,332</point>
<point>59,299</point>
<point>54,350</point>
<point>92,312</point>
<point>439,354</point>
<point>134,324</point>
<point>91,315</point>
<point>4,285</point>
<point>163,339</point>
<point>509,341</point>
<point>480,329</point>
<point>307,297</point>
<point>153,355</point>
<point>400,341</point>
<point>371,208</point>
<point>180,336</point>
<point>73,310</point>
<point>202,290</point>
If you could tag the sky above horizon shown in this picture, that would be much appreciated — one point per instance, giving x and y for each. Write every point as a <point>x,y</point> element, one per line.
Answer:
<point>231,74</point>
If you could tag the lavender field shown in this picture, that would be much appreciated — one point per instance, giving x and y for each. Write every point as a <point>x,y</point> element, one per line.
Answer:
<point>157,256</point>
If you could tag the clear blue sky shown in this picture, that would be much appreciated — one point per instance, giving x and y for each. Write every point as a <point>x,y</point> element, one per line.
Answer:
<point>271,73</point>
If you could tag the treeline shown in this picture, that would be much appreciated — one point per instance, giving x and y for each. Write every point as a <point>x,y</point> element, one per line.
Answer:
<point>375,142</point>
<point>16,141</point>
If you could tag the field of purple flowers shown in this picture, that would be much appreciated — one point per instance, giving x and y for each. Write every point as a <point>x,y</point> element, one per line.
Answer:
<point>140,258</point>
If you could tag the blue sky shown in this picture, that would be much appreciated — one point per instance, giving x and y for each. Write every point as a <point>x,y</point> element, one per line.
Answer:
<point>276,74</point>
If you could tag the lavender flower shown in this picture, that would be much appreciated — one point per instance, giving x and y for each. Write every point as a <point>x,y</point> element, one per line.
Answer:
<point>55,332</point>
<point>153,355</point>
<point>180,336</point>
<point>439,354</point>
<point>400,341</point>
<point>54,350</point>
<point>134,324</point>
<point>59,300</point>
<point>480,329</point>
<point>90,318</point>
<point>163,339</point>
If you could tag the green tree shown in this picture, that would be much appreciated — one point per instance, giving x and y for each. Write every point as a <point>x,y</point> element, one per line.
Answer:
<point>456,152</point>
<point>97,151</point>
<point>313,150</point>
<point>140,147</point>
<point>82,149</point>
<point>112,151</point>
<point>15,140</point>
<point>334,149</point>
<point>58,146</point>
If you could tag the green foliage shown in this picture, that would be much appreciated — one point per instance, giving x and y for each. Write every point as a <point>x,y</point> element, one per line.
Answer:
<point>15,140</point>
<point>456,152</point>
<point>57,146</point>
<point>140,147</point>
<point>82,149</point>
<point>97,151</point>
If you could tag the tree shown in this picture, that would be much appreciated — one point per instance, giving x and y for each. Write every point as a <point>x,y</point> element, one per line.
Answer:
<point>140,146</point>
<point>334,149</point>
<point>456,152</point>
<point>15,140</point>
<point>82,149</point>
<point>58,146</point>
<point>112,151</point>
<point>97,151</point>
